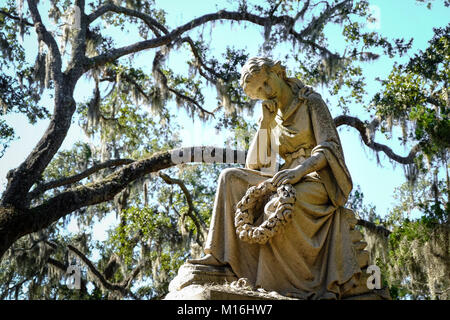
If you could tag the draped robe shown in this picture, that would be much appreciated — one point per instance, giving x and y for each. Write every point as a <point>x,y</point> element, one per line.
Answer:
<point>312,257</point>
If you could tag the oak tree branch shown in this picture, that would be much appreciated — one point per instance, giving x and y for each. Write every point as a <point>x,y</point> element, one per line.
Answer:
<point>364,132</point>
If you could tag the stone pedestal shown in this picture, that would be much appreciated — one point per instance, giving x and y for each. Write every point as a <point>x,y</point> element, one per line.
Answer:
<point>228,292</point>
<point>221,292</point>
<point>199,282</point>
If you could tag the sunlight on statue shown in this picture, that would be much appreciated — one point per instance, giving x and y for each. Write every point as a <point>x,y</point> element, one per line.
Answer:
<point>286,230</point>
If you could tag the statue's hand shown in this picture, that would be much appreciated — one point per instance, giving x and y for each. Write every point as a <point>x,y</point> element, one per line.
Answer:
<point>291,176</point>
<point>270,105</point>
<point>269,108</point>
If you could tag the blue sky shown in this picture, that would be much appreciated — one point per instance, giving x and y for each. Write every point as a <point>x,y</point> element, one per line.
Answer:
<point>399,18</point>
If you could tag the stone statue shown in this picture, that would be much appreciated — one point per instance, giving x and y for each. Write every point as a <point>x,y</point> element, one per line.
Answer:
<point>286,231</point>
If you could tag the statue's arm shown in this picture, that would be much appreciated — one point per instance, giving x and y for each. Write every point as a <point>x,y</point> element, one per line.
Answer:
<point>292,176</point>
<point>259,152</point>
<point>323,124</point>
<point>251,162</point>
<point>324,131</point>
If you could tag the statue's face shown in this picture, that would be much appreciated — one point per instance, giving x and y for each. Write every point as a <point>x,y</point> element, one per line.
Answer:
<point>264,85</point>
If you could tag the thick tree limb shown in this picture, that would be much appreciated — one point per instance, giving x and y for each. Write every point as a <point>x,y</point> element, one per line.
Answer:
<point>106,189</point>
<point>16,222</point>
<point>58,264</point>
<point>21,179</point>
<point>366,134</point>
<point>374,228</point>
<point>177,32</point>
<point>75,178</point>
<point>150,21</point>
<point>45,36</point>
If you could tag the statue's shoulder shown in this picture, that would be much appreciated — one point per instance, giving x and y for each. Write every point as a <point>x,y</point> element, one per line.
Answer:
<point>314,96</point>
<point>307,94</point>
<point>311,97</point>
<point>317,105</point>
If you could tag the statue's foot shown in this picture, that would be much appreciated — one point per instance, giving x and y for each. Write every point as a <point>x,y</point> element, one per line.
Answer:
<point>208,260</point>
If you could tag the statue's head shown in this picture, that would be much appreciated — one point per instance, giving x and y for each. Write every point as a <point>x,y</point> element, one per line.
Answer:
<point>265,75</point>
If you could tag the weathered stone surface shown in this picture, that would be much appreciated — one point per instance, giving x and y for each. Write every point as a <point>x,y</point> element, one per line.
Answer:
<point>222,292</point>
<point>356,236</point>
<point>363,258</point>
<point>189,274</point>
<point>228,292</point>
<point>351,219</point>
<point>198,282</point>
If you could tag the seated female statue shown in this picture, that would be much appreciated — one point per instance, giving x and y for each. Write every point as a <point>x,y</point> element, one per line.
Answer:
<point>298,242</point>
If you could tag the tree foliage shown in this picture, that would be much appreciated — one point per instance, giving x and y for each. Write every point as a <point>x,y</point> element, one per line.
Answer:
<point>415,96</point>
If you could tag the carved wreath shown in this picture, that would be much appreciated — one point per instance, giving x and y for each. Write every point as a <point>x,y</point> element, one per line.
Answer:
<point>280,206</point>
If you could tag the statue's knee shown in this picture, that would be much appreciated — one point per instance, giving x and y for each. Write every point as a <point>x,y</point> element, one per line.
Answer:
<point>228,174</point>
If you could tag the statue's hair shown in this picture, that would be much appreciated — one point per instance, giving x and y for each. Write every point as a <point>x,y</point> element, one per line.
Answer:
<point>256,64</point>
